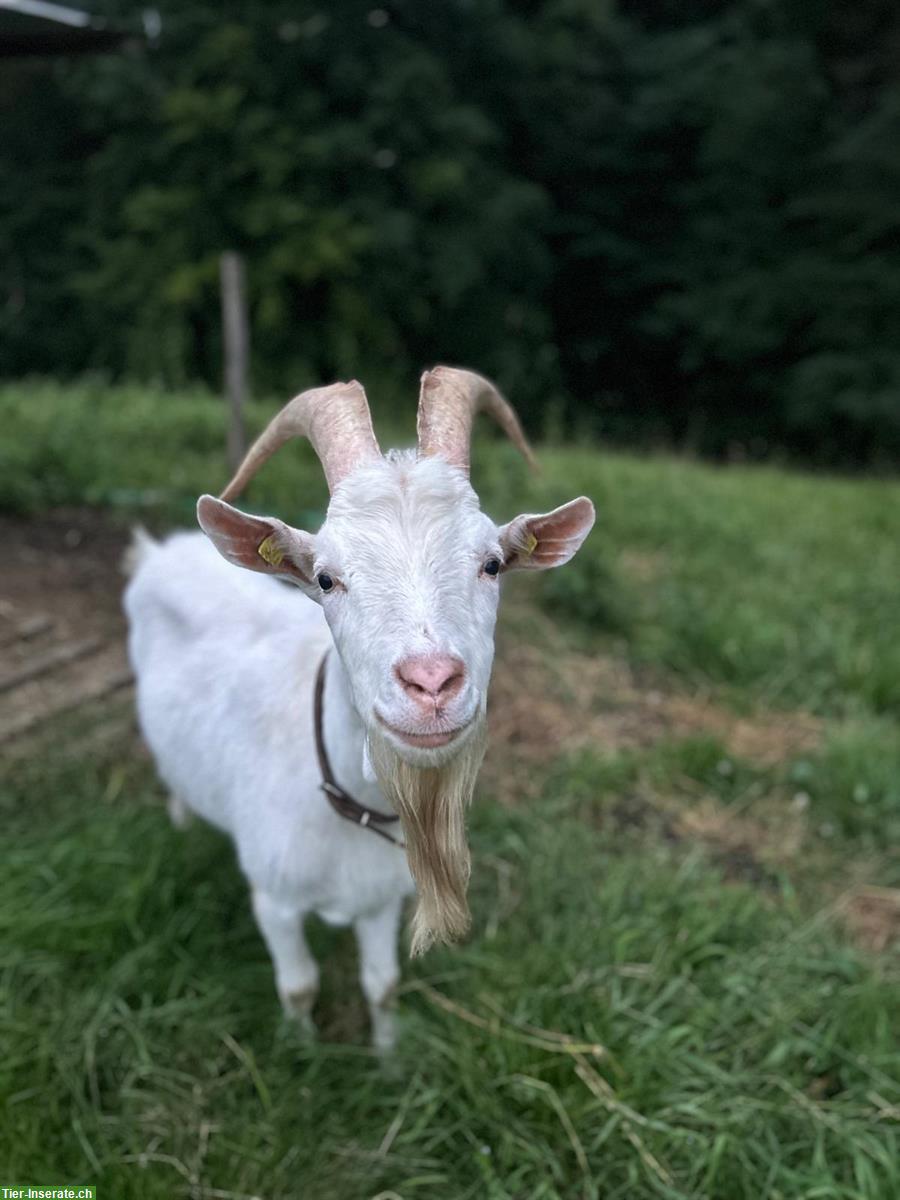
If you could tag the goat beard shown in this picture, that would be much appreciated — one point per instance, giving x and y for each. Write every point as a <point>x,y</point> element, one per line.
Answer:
<point>431,803</point>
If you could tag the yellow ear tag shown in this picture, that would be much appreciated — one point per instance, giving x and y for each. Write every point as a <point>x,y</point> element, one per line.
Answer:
<point>531,544</point>
<point>269,552</point>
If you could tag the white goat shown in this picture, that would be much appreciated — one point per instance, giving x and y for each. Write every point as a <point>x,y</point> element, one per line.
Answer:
<point>401,585</point>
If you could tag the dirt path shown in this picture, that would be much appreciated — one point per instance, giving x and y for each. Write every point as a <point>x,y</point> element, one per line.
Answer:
<point>61,622</point>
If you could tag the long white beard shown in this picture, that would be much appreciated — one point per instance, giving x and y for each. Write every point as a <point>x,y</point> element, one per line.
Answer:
<point>431,803</point>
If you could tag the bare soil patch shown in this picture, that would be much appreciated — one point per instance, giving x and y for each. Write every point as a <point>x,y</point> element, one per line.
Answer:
<point>61,621</point>
<point>66,565</point>
<point>872,916</point>
<point>547,700</point>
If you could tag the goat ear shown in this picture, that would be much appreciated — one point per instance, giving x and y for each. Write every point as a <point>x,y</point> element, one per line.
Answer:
<point>536,542</point>
<point>257,543</point>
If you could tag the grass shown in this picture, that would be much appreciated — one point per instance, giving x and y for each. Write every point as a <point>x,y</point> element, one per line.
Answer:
<point>660,997</point>
<point>776,583</point>
<point>721,1044</point>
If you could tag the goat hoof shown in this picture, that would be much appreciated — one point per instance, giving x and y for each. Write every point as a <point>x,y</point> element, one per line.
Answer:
<point>295,1036</point>
<point>297,1007</point>
<point>385,1032</point>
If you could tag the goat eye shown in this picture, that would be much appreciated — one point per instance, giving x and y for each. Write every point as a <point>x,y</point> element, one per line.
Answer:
<point>492,566</point>
<point>324,580</point>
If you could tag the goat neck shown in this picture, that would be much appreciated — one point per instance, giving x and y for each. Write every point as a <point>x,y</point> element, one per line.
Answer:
<point>344,734</point>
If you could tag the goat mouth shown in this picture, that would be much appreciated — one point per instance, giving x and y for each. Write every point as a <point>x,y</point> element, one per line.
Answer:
<point>424,741</point>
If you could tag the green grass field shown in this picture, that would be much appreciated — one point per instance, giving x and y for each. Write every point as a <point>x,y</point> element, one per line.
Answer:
<point>683,975</point>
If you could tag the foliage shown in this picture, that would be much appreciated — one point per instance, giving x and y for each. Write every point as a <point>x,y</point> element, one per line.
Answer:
<point>667,221</point>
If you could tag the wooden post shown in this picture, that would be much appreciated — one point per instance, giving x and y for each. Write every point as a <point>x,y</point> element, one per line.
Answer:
<point>236,344</point>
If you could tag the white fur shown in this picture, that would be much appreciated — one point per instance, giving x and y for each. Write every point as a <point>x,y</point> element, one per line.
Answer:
<point>407,538</point>
<point>225,662</point>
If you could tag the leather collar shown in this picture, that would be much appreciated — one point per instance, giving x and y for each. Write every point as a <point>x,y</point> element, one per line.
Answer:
<point>342,802</point>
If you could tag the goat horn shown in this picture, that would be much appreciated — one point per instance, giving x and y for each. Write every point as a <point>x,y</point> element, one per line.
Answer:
<point>336,420</point>
<point>449,398</point>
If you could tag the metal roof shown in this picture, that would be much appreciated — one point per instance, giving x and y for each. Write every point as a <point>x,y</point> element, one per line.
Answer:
<point>39,27</point>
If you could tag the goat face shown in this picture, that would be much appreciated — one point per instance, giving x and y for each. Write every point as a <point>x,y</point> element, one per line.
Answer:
<point>406,567</point>
<point>411,569</point>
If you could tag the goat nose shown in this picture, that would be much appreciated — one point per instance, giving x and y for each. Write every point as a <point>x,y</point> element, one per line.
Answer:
<point>431,679</point>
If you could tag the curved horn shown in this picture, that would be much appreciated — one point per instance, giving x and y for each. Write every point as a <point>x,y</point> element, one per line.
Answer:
<point>449,398</point>
<point>336,420</point>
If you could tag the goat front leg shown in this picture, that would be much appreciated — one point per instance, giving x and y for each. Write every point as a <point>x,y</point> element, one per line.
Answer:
<point>296,972</point>
<point>377,935</point>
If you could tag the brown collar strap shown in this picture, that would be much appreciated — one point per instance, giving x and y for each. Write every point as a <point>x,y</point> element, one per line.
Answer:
<point>342,802</point>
